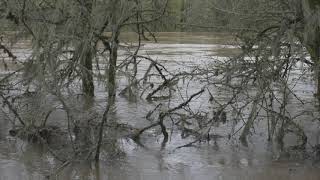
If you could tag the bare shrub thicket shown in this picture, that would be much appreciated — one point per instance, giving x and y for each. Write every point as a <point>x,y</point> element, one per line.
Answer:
<point>76,44</point>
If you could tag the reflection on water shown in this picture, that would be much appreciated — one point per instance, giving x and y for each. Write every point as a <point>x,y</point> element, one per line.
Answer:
<point>223,160</point>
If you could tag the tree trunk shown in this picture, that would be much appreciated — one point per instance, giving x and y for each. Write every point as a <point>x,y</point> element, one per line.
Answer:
<point>250,121</point>
<point>318,92</point>
<point>86,51</point>
<point>315,57</point>
<point>311,12</point>
<point>87,77</point>
<point>100,134</point>
<point>112,69</point>
<point>113,53</point>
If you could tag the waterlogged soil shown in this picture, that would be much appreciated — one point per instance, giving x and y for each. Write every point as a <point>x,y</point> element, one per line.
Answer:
<point>124,159</point>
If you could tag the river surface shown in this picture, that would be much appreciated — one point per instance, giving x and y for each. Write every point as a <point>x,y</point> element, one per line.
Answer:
<point>221,160</point>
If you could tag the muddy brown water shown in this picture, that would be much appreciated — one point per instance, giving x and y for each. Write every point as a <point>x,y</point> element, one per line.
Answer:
<point>223,160</point>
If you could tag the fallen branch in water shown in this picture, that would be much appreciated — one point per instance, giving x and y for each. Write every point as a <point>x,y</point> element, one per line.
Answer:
<point>162,117</point>
<point>189,144</point>
<point>12,109</point>
<point>7,51</point>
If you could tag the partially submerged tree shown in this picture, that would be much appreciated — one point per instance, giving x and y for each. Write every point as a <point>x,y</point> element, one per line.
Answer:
<point>274,36</point>
<point>311,34</point>
<point>71,40</point>
<point>67,33</point>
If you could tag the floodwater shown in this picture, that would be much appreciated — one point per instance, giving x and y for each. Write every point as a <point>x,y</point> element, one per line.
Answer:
<point>221,160</point>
